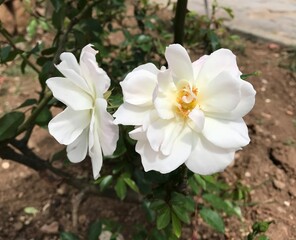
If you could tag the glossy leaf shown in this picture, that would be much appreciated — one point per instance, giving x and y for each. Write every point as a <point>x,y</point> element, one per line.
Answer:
<point>27,102</point>
<point>181,213</point>
<point>163,219</point>
<point>176,224</point>
<point>131,183</point>
<point>95,229</point>
<point>106,181</point>
<point>9,124</point>
<point>120,188</point>
<point>213,219</point>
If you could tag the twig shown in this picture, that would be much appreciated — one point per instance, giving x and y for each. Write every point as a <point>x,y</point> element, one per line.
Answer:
<point>76,200</point>
<point>10,41</point>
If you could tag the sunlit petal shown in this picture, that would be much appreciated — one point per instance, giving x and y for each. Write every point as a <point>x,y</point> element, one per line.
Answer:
<point>206,158</point>
<point>225,133</point>
<point>68,125</point>
<point>68,93</point>
<point>179,63</point>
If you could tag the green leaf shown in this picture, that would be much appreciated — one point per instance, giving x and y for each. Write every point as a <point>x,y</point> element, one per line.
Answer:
<point>56,4</point>
<point>216,202</point>
<point>68,236</point>
<point>163,219</point>
<point>213,219</point>
<point>95,230</point>
<point>181,213</point>
<point>131,183</point>
<point>43,117</point>
<point>193,185</point>
<point>106,181</point>
<point>200,181</point>
<point>9,124</point>
<point>261,227</point>
<point>4,53</point>
<point>32,27</point>
<point>263,237</point>
<point>157,204</point>
<point>120,188</point>
<point>31,210</point>
<point>183,201</point>
<point>150,213</point>
<point>7,54</point>
<point>27,102</point>
<point>176,224</point>
<point>245,76</point>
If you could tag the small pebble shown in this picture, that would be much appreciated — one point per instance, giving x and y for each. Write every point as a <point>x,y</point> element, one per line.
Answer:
<point>287,203</point>
<point>267,100</point>
<point>18,226</point>
<point>278,184</point>
<point>247,174</point>
<point>51,228</point>
<point>5,165</point>
<point>290,113</point>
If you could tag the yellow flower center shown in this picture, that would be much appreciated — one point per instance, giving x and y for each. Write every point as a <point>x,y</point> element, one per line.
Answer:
<point>186,100</point>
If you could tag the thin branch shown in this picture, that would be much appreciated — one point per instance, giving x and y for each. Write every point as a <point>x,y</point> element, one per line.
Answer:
<point>10,41</point>
<point>179,21</point>
<point>28,158</point>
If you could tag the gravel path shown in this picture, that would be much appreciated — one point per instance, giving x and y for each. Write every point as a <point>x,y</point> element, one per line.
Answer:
<point>274,20</point>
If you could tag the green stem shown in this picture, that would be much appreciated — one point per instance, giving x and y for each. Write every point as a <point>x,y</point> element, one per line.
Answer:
<point>179,21</point>
<point>46,98</point>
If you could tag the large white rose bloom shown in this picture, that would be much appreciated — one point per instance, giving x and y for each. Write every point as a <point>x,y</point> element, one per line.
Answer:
<point>85,125</point>
<point>189,113</point>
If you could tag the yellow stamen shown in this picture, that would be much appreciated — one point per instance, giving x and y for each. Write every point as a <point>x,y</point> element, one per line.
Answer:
<point>186,100</point>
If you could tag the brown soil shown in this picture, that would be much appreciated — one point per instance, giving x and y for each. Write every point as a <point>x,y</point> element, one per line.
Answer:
<point>267,165</point>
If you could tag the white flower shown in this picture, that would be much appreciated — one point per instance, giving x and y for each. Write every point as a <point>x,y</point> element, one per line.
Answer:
<point>189,113</point>
<point>85,125</point>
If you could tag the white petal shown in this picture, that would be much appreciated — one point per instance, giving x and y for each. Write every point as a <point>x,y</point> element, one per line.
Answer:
<point>197,65</point>
<point>222,60</point>
<point>65,91</point>
<point>107,130</point>
<point>70,68</point>
<point>138,134</point>
<point>164,107</point>
<point>68,125</point>
<point>69,62</point>
<point>152,160</point>
<point>179,63</point>
<point>128,114</point>
<point>164,95</point>
<point>95,151</point>
<point>77,150</point>
<point>96,77</point>
<point>197,118</point>
<point>159,130</point>
<point>138,87</point>
<point>225,133</point>
<point>165,81</point>
<point>221,95</point>
<point>207,158</point>
<point>247,101</point>
<point>150,67</point>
